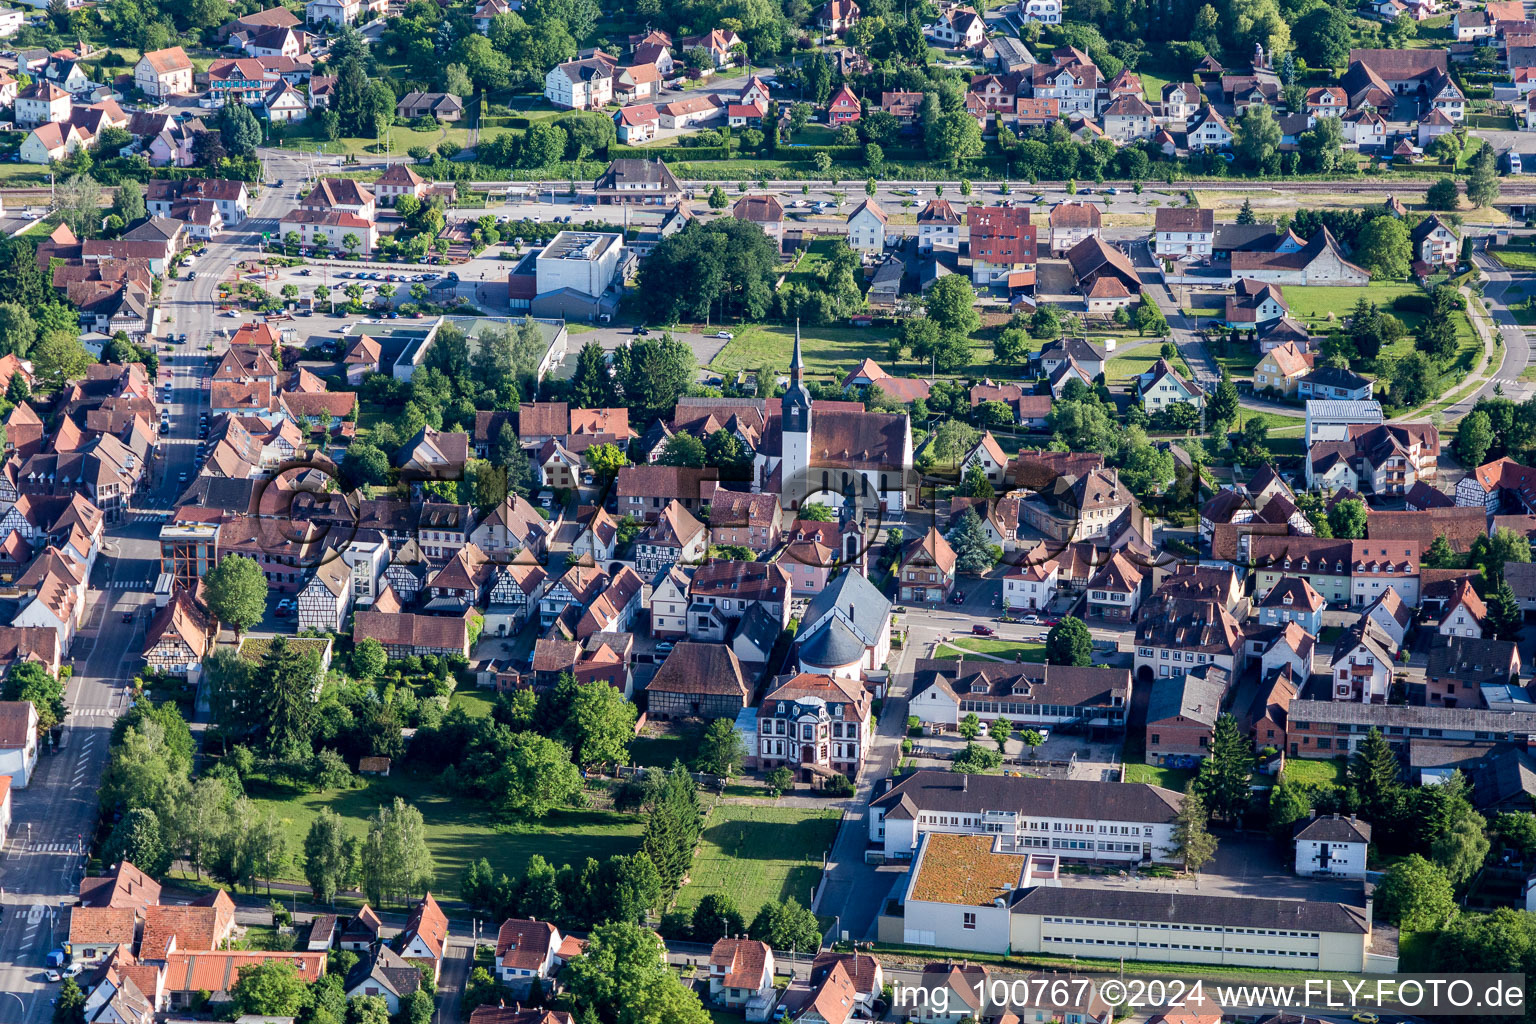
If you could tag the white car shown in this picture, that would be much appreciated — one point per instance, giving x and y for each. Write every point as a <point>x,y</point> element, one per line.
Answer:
<point>725,335</point>
<point>71,970</point>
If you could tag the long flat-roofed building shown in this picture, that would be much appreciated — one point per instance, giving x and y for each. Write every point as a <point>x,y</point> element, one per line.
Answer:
<point>1074,818</point>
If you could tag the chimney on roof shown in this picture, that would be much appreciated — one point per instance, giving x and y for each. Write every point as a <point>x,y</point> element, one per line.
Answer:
<point>965,783</point>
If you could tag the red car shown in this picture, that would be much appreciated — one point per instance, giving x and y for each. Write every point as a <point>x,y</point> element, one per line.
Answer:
<point>981,630</point>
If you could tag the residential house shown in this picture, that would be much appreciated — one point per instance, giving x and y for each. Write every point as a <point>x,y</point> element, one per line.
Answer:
<point>938,226</point>
<point>1105,277</point>
<point>1071,223</point>
<point>18,741</point>
<point>1435,242</point>
<point>180,635</point>
<point>867,227</point>
<point>1465,613</point>
<point>1391,615</point>
<point>424,942</point>
<point>927,569</point>
<point>1182,713</point>
<point>1163,387</point>
<point>1281,369</point>
<point>1361,664</point>
<point>836,17</point>
<point>1208,130</point>
<point>1114,592</point>
<point>1336,383</point>
<point>440,106</point>
<point>843,108</point>
<point>1003,246</point>
<point>162,73</point>
<point>957,28</point>
<point>1332,846</point>
<point>741,975</point>
<point>585,84</point>
<point>383,973</point>
<point>766,212</point>
<point>526,950</point>
<point>675,536</point>
<point>1178,634</point>
<point>1467,672</point>
<point>1181,232</point>
<point>1128,119</point>
<point>1293,599</point>
<point>633,181</point>
<point>1030,587</point>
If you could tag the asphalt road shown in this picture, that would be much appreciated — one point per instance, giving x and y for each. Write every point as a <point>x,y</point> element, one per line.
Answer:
<point>53,818</point>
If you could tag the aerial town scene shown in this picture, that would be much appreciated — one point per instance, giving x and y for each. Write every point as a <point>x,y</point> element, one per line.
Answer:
<point>577,512</point>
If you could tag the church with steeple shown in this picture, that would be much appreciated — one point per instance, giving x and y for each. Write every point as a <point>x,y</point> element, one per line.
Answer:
<point>831,452</point>
<point>835,454</point>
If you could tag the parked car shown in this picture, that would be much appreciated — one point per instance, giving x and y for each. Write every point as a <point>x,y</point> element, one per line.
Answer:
<point>981,630</point>
<point>665,647</point>
<point>1031,620</point>
<point>725,335</point>
<point>284,607</point>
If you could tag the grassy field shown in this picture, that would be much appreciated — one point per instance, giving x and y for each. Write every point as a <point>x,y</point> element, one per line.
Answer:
<point>1515,259</point>
<point>1316,773</point>
<point>1123,368</point>
<point>1313,303</point>
<point>760,853</point>
<point>829,351</point>
<point>459,830</point>
<point>1176,779</point>
<point>680,743</point>
<point>1009,650</point>
<point>476,703</point>
<point>1275,420</point>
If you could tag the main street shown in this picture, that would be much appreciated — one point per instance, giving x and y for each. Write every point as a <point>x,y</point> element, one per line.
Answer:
<point>55,816</point>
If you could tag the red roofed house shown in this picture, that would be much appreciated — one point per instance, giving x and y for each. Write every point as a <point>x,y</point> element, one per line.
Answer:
<point>1002,243</point>
<point>191,977</point>
<point>405,634</point>
<point>526,950</point>
<point>741,975</point>
<point>162,73</point>
<point>844,108</point>
<point>637,123</point>
<point>425,938</point>
<point>837,16</point>
<point>927,569</point>
<point>399,181</point>
<point>764,211</point>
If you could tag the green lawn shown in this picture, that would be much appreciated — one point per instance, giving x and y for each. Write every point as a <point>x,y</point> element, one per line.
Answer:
<point>829,351</point>
<point>662,751</point>
<point>475,702</point>
<point>1315,773</point>
<point>1275,420</point>
<point>1010,650</point>
<point>1133,364</point>
<point>1515,259</point>
<point>1313,303</point>
<point>459,830</point>
<point>760,853</point>
<point>1176,779</point>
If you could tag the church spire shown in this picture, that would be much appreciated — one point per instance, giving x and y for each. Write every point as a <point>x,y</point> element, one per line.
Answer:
<point>796,403</point>
<point>796,364</point>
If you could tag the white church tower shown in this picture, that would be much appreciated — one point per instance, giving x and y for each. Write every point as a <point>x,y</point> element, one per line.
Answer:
<point>795,431</point>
